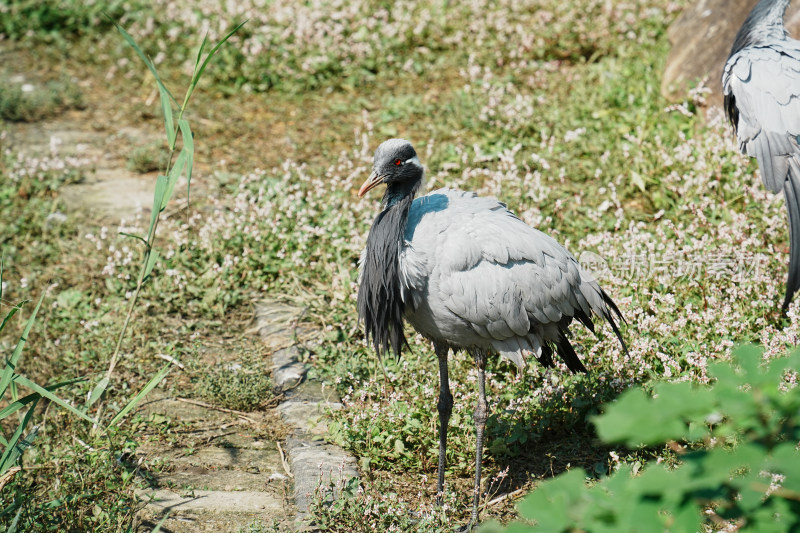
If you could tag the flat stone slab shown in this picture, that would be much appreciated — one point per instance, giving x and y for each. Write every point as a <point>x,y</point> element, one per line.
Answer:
<point>202,478</point>
<point>244,459</point>
<point>210,511</point>
<point>317,464</point>
<point>116,194</point>
<point>212,500</point>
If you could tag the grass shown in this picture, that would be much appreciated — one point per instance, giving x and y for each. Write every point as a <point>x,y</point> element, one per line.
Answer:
<point>563,120</point>
<point>25,102</point>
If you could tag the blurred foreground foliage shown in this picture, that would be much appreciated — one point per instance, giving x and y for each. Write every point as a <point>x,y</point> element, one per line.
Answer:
<point>737,445</point>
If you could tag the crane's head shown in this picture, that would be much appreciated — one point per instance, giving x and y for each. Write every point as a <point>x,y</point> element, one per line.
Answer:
<point>396,164</point>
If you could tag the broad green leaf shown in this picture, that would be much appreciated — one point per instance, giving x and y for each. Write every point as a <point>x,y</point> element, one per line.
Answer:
<point>11,364</point>
<point>155,380</point>
<point>25,382</point>
<point>554,501</point>
<point>688,517</point>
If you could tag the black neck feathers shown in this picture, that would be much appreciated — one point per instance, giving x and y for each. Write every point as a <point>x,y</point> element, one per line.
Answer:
<point>380,302</point>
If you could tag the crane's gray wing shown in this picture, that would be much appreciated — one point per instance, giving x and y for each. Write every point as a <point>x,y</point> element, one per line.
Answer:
<point>762,84</point>
<point>510,284</point>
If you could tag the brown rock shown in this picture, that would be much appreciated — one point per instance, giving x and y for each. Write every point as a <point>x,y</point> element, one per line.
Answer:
<point>701,39</point>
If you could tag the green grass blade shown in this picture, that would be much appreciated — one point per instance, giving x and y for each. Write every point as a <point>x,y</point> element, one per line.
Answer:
<point>188,145</point>
<point>199,55</point>
<point>152,257</point>
<point>22,402</point>
<point>143,57</point>
<point>11,364</point>
<point>12,312</point>
<point>12,528</point>
<point>155,380</point>
<point>5,460</point>
<point>21,446</point>
<point>158,197</point>
<point>160,523</point>
<point>174,174</point>
<point>199,73</point>
<point>166,108</point>
<point>97,391</point>
<point>25,382</point>
<point>131,235</point>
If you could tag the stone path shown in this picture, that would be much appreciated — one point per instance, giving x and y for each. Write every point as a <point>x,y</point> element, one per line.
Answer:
<point>237,474</point>
<point>312,460</point>
<point>109,190</point>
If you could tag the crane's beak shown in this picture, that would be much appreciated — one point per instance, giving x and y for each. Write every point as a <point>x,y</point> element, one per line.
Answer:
<point>373,181</point>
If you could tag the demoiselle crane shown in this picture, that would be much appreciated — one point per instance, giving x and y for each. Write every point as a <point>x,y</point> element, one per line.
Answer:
<point>468,275</point>
<point>761,90</point>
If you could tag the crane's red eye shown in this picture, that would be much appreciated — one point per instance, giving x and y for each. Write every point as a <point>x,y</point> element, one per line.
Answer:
<point>398,162</point>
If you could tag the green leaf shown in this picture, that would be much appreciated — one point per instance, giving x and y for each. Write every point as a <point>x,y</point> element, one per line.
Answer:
<point>69,299</point>
<point>97,391</point>
<point>22,402</point>
<point>166,108</point>
<point>12,311</point>
<point>174,174</point>
<point>25,382</point>
<point>11,364</point>
<point>199,72</point>
<point>553,502</point>
<point>133,237</point>
<point>152,257</point>
<point>142,56</point>
<point>158,197</point>
<point>11,453</point>
<point>188,146</point>
<point>155,380</point>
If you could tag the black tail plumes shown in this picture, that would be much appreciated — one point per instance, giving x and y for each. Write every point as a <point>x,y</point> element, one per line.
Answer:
<point>791,192</point>
<point>610,317</point>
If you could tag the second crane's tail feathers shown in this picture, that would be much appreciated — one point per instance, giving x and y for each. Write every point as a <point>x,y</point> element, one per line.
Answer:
<point>791,192</point>
<point>610,311</point>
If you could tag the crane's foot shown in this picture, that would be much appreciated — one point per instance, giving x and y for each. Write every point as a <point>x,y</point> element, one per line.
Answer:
<point>466,528</point>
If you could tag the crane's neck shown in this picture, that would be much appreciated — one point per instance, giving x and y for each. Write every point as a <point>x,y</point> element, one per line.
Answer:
<point>764,24</point>
<point>380,299</point>
<point>402,192</point>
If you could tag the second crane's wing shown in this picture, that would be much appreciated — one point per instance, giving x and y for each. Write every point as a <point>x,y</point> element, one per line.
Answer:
<point>761,86</point>
<point>493,271</point>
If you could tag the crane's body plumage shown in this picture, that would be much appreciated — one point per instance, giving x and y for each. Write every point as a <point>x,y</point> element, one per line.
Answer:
<point>761,90</point>
<point>468,275</point>
<point>475,276</point>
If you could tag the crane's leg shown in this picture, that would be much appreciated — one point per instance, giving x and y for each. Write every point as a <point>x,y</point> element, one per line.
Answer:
<point>445,407</point>
<point>481,414</point>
